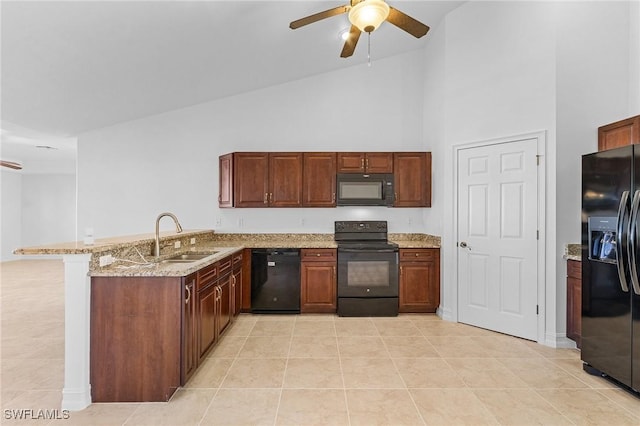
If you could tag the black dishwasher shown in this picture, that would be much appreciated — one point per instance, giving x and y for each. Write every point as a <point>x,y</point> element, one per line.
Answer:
<point>275,280</point>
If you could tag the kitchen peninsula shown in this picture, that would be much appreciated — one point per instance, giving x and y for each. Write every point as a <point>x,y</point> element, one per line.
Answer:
<point>130,260</point>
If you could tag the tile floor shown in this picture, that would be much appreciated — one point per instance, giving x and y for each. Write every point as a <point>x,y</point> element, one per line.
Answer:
<point>316,370</point>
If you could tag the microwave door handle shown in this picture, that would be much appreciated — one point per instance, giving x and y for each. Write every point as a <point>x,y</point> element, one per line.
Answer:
<point>622,209</point>
<point>632,242</point>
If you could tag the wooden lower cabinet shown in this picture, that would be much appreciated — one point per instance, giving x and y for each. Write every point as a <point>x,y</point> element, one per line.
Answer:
<point>236,285</point>
<point>318,281</point>
<point>574,300</point>
<point>150,334</point>
<point>419,280</point>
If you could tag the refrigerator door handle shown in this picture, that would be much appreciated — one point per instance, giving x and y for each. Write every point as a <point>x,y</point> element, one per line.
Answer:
<point>619,245</point>
<point>631,242</point>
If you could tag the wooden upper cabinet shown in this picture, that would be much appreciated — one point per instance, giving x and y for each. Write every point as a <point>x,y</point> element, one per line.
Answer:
<point>285,179</point>
<point>620,133</point>
<point>412,179</point>
<point>319,179</point>
<point>365,162</point>
<point>251,179</point>
<point>225,194</point>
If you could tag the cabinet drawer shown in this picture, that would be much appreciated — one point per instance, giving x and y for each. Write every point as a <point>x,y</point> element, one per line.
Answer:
<point>574,269</point>
<point>320,255</point>
<point>224,266</point>
<point>237,260</point>
<point>206,276</point>
<point>409,255</point>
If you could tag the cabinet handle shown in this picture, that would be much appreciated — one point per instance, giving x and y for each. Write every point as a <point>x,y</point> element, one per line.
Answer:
<point>266,195</point>
<point>233,280</point>
<point>186,301</point>
<point>417,255</point>
<point>367,163</point>
<point>401,270</point>
<point>271,197</point>
<point>333,198</point>
<point>395,196</point>
<point>362,163</point>
<point>318,254</point>
<point>334,272</point>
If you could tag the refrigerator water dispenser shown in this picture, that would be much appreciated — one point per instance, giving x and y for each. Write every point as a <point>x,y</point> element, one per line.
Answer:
<point>602,239</point>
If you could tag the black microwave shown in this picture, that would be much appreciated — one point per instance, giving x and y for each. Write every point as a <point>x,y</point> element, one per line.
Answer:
<point>375,189</point>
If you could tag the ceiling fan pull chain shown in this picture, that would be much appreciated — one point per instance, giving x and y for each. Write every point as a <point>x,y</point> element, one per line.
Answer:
<point>369,48</point>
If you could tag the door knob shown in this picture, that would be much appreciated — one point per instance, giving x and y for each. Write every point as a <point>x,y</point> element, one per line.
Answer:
<point>463,244</point>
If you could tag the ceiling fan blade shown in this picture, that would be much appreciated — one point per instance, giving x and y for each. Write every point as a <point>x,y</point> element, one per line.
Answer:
<point>350,42</point>
<point>407,23</point>
<point>10,164</point>
<point>319,16</point>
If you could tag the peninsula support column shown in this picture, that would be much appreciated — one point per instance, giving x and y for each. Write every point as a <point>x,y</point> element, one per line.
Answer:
<point>76,394</point>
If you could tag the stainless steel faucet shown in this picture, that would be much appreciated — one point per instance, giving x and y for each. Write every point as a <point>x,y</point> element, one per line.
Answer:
<point>156,252</point>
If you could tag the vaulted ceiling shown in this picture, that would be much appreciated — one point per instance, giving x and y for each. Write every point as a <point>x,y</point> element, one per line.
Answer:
<point>72,66</point>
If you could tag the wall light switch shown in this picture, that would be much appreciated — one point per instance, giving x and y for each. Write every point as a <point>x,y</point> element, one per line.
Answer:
<point>193,241</point>
<point>106,260</point>
<point>176,244</point>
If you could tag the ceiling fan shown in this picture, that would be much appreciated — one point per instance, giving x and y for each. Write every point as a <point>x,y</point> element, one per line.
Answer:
<point>11,164</point>
<point>365,16</point>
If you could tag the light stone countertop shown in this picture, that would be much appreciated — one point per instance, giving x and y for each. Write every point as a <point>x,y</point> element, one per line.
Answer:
<point>133,253</point>
<point>573,252</point>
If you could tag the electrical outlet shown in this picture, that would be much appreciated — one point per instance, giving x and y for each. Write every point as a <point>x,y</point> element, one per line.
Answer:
<point>106,260</point>
<point>176,244</point>
<point>193,241</point>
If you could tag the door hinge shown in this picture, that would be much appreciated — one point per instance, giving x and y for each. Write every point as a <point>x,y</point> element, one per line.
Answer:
<point>537,234</point>
<point>537,309</point>
<point>538,160</point>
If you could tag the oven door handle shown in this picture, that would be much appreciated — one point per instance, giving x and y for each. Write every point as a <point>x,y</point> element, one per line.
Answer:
<point>346,250</point>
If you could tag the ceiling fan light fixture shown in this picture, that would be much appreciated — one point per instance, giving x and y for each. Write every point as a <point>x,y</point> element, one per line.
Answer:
<point>369,14</point>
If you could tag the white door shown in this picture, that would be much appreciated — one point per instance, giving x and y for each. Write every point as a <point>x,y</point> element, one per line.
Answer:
<point>497,237</point>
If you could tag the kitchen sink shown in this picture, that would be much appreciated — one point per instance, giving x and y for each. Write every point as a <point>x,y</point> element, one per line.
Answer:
<point>188,257</point>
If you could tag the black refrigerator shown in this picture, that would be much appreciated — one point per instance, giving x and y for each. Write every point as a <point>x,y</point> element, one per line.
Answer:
<point>611,264</point>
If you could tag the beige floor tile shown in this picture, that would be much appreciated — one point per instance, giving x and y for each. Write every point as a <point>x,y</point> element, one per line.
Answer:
<point>315,317</point>
<point>485,373</point>
<point>210,373</point>
<point>369,407</point>
<point>520,407</point>
<point>35,407</point>
<point>370,373</point>
<point>313,347</point>
<point>228,347</point>
<point>588,407</point>
<point>186,407</point>
<point>362,347</point>
<point>100,415</point>
<point>314,328</point>
<point>32,374</point>
<point>313,373</point>
<point>240,329</point>
<point>444,328</point>
<point>409,347</point>
<point>500,345</point>
<point>548,352</point>
<point>396,327</point>
<point>272,327</point>
<point>312,407</point>
<point>574,367</point>
<point>625,399</point>
<point>243,407</point>
<point>540,373</point>
<point>428,373</point>
<point>457,347</point>
<point>451,407</point>
<point>265,347</point>
<point>355,327</point>
<point>255,373</point>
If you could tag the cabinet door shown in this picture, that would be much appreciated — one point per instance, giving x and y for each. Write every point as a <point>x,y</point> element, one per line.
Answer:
<point>285,179</point>
<point>419,280</point>
<point>319,179</point>
<point>574,300</point>
<point>207,299</point>
<point>412,179</point>
<point>378,162</point>
<point>251,179</point>
<point>318,287</point>
<point>224,304</point>
<point>236,292</point>
<point>350,162</point>
<point>225,195</point>
<point>189,336</point>
<point>620,133</point>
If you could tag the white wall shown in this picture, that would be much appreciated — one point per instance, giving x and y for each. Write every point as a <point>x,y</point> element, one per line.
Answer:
<point>11,213</point>
<point>594,87</point>
<point>131,172</point>
<point>48,208</point>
